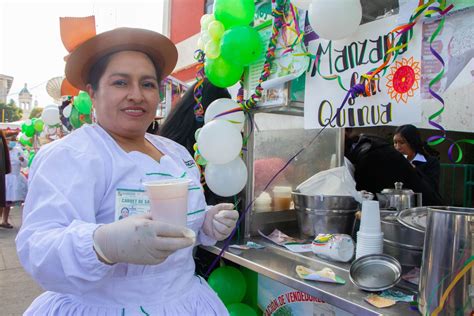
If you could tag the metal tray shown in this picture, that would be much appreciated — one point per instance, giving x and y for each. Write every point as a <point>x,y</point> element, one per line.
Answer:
<point>375,272</point>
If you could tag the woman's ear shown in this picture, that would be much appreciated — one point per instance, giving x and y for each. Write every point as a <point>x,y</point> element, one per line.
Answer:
<point>90,91</point>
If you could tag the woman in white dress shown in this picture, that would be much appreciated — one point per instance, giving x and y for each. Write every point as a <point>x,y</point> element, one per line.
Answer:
<point>16,183</point>
<point>71,240</point>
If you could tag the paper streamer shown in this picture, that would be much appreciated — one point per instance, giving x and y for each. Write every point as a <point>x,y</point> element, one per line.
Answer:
<point>438,139</point>
<point>198,108</point>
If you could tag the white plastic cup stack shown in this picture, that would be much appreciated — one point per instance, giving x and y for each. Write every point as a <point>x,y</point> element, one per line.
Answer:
<point>370,235</point>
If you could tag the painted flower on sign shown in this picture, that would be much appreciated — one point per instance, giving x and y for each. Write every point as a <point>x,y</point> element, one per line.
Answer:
<point>403,79</point>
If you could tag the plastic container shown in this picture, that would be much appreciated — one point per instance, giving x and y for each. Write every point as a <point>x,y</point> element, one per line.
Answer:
<point>263,203</point>
<point>337,247</point>
<point>168,200</point>
<point>281,198</point>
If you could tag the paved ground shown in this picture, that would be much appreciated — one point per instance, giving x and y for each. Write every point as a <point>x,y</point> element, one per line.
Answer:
<point>17,289</point>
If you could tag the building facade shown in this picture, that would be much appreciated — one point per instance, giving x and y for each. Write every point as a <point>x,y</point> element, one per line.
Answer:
<point>5,85</point>
<point>184,30</point>
<point>25,101</point>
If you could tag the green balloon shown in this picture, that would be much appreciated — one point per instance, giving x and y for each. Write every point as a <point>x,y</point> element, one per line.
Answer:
<point>222,73</point>
<point>38,125</point>
<point>74,118</point>
<point>83,103</point>
<point>29,130</point>
<point>229,284</point>
<point>234,12</point>
<point>239,309</point>
<point>26,141</point>
<point>241,45</point>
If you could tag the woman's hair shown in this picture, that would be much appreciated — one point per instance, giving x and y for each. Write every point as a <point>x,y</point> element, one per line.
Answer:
<point>181,123</point>
<point>413,138</point>
<point>98,69</point>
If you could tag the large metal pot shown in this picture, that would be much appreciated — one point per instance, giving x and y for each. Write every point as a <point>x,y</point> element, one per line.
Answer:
<point>398,198</point>
<point>324,214</point>
<point>448,248</point>
<point>401,242</point>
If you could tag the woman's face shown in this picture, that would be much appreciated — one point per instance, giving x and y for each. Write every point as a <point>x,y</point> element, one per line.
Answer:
<point>127,95</point>
<point>401,144</point>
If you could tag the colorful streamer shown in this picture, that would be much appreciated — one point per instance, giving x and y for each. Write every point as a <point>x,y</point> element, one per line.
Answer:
<point>438,139</point>
<point>198,108</point>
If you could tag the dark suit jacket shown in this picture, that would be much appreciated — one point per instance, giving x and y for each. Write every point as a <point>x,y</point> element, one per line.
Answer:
<point>378,165</point>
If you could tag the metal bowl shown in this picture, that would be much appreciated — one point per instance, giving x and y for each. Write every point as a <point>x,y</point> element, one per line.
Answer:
<point>323,214</point>
<point>375,272</point>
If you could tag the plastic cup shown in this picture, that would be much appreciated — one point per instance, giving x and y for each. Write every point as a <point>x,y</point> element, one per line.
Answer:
<point>370,218</point>
<point>337,247</point>
<point>281,198</point>
<point>168,200</point>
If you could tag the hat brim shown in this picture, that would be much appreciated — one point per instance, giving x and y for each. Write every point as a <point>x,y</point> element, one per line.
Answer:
<point>157,47</point>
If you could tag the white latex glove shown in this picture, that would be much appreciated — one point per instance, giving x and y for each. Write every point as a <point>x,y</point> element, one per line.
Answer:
<point>220,221</point>
<point>140,240</point>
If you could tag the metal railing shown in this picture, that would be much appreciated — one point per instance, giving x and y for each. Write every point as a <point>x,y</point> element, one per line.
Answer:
<point>457,184</point>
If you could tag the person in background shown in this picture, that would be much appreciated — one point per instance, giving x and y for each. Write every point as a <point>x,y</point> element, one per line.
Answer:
<point>181,124</point>
<point>5,168</point>
<point>378,165</point>
<point>407,141</point>
<point>88,263</point>
<point>16,183</point>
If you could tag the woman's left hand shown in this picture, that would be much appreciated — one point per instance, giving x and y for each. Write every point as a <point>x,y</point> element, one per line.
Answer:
<point>220,221</point>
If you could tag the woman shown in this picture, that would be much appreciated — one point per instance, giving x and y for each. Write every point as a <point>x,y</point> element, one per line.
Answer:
<point>5,168</point>
<point>15,182</point>
<point>407,141</point>
<point>69,241</point>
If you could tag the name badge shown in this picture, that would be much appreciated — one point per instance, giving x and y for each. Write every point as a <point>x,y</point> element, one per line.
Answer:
<point>130,202</point>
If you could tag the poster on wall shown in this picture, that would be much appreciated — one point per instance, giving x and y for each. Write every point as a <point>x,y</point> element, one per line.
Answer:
<point>455,44</point>
<point>396,91</point>
<point>276,299</point>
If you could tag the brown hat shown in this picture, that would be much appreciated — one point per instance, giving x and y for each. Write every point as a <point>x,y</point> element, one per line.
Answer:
<point>158,47</point>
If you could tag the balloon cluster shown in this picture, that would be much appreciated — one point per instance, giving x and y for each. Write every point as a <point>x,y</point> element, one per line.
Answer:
<point>76,111</point>
<point>332,20</point>
<point>29,129</point>
<point>230,285</point>
<point>228,41</point>
<point>218,147</point>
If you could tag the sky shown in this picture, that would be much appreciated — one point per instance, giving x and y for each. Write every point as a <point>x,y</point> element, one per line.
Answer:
<point>31,50</point>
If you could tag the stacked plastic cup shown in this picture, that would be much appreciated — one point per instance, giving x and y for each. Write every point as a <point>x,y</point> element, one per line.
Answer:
<point>370,235</point>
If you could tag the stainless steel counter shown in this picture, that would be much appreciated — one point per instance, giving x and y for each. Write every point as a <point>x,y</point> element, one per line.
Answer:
<point>279,264</point>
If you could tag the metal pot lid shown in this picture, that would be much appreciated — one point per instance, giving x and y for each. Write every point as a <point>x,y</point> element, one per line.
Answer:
<point>414,218</point>
<point>398,190</point>
<point>375,272</point>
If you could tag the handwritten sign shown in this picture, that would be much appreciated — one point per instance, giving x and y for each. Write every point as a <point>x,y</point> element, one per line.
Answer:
<point>395,94</point>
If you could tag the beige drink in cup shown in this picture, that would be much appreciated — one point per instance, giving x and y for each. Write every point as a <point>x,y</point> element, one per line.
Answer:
<point>281,198</point>
<point>168,200</point>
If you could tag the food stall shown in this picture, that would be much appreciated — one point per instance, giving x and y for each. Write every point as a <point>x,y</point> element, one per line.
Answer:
<point>295,129</point>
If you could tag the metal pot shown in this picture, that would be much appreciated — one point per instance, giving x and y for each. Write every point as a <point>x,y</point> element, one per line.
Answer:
<point>448,246</point>
<point>398,198</point>
<point>324,214</point>
<point>401,242</point>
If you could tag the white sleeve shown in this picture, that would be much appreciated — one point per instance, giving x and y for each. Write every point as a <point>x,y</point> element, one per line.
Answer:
<point>55,242</point>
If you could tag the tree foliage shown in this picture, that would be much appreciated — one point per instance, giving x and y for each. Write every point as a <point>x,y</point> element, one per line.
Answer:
<point>10,112</point>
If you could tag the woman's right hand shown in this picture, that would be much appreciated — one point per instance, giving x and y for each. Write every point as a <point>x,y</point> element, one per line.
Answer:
<point>140,240</point>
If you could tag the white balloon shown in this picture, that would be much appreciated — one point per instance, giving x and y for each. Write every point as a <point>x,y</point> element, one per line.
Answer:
<point>67,111</point>
<point>50,116</point>
<point>335,19</point>
<point>219,142</point>
<point>302,4</point>
<point>222,105</point>
<point>228,179</point>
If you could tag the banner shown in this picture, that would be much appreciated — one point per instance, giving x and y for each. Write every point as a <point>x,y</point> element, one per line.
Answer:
<point>396,92</point>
